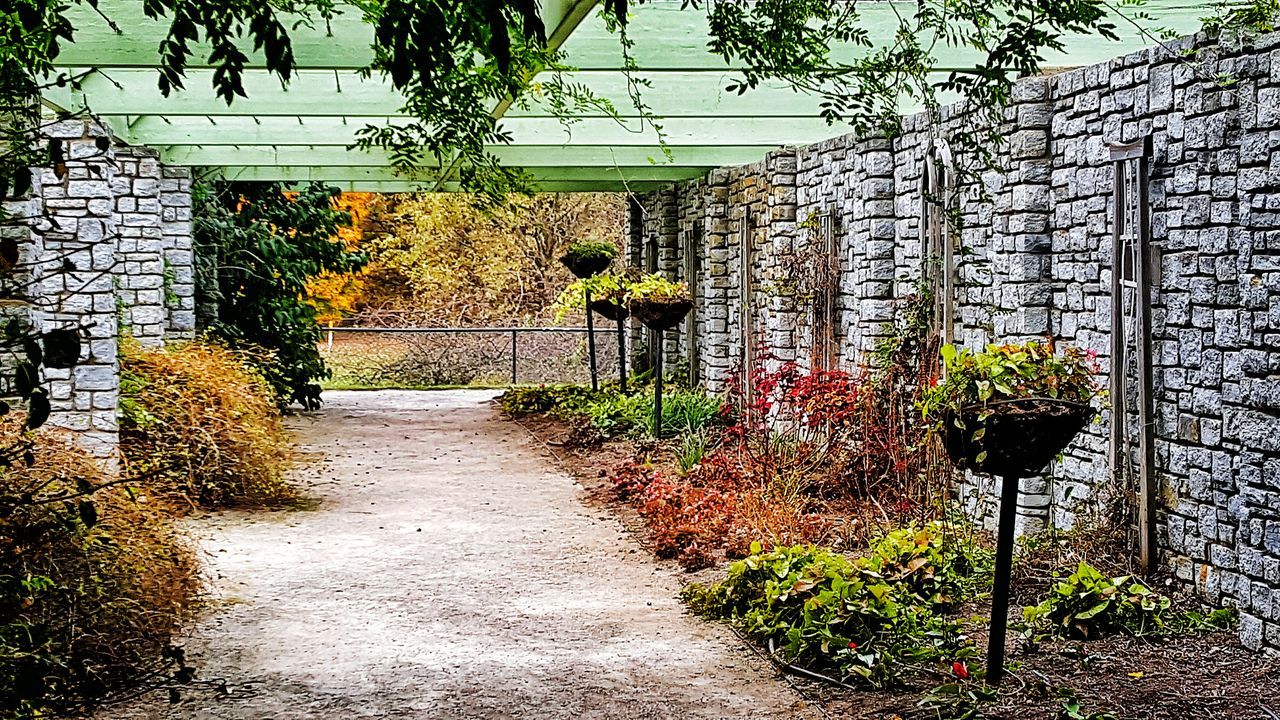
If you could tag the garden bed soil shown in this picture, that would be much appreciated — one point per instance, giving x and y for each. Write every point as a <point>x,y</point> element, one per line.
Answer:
<point>1207,675</point>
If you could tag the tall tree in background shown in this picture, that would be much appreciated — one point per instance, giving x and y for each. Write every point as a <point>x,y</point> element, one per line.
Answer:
<point>443,260</point>
<point>258,247</point>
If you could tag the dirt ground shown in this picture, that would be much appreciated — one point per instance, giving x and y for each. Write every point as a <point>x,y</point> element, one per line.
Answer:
<point>1205,675</point>
<point>450,570</point>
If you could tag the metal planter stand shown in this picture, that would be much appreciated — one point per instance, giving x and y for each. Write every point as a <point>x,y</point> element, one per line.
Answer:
<point>584,268</point>
<point>616,312</point>
<point>659,316</point>
<point>591,344</point>
<point>1021,436</point>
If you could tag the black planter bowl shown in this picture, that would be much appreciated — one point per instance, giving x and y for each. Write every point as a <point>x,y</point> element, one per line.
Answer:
<point>660,313</point>
<point>610,310</point>
<point>1022,436</point>
<point>585,267</point>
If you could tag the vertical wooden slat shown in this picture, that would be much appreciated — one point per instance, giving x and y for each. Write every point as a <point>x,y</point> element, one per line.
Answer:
<point>1146,388</point>
<point>1118,359</point>
<point>947,248</point>
<point>828,330</point>
<point>692,246</point>
<point>744,306</point>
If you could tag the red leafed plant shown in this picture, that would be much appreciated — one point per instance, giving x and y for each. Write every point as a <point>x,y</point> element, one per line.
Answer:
<point>685,521</point>
<point>796,444</point>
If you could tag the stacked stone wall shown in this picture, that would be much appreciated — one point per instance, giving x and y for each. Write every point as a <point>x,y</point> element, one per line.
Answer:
<point>106,250</point>
<point>1035,241</point>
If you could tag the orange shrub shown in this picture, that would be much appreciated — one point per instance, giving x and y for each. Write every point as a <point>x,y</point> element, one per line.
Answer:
<point>204,426</point>
<point>92,583</point>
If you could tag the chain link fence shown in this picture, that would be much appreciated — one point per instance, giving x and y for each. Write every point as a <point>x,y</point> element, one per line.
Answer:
<point>475,357</point>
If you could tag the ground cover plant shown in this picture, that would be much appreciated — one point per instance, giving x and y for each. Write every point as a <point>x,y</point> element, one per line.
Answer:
<point>203,426</point>
<point>868,619</point>
<point>608,413</point>
<point>93,583</point>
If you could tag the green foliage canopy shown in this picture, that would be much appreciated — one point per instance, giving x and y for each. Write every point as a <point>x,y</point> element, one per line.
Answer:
<point>258,245</point>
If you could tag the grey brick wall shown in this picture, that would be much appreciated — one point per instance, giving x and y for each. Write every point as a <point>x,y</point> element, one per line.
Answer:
<point>122,221</point>
<point>1037,260</point>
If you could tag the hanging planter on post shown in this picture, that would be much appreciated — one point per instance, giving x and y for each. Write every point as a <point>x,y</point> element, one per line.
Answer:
<point>998,418</point>
<point>613,307</point>
<point>586,259</point>
<point>659,305</point>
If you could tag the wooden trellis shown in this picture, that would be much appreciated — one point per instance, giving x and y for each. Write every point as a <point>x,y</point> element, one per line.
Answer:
<point>692,243</point>
<point>746,333</point>
<point>1133,266</point>
<point>937,236</point>
<point>826,325</point>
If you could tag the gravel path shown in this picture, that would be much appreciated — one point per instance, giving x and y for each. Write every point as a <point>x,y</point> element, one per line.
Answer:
<point>450,571</point>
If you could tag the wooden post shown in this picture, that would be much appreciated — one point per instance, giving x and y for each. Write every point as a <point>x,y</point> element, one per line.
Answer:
<point>1147,489</point>
<point>1000,589</point>
<point>591,343</point>
<point>657,391</point>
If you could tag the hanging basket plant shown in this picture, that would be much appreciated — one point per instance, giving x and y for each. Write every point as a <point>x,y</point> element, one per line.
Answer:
<point>1015,438</point>
<point>589,258</point>
<point>659,303</point>
<point>609,293</point>
<point>611,309</point>
<point>1010,409</point>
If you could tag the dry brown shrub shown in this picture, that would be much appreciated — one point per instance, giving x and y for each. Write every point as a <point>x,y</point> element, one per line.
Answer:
<point>91,588</point>
<point>205,426</point>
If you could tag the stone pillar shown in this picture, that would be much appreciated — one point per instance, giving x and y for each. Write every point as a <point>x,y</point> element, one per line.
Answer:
<point>1022,225</point>
<point>713,318</point>
<point>179,253</point>
<point>74,285</point>
<point>1022,236</point>
<point>781,325</point>
<point>140,286</point>
<point>666,227</point>
<point>20,227</point>
<point>874,249</point>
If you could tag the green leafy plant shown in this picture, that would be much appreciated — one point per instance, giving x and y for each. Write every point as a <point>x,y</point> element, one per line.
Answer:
<point>691,447</point>
<point>258,248</point>
<point>684,411</point>
<point>592,249</point>
<point>539,399</point>
<point>869,618</point>
<point>1006,372</point>
<point>957,700</point>
<point>656,287</point>
<point>610,287</point>
<point>1088,604</point>
<point>616,414</point>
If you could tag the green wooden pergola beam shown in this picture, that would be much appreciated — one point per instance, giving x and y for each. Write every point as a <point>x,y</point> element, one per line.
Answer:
<point>304,131</point>
<point>341,131</point>
<point>623,174</point>
<point>527,156</point>
<point>668,38</point>
<point>594,185</point>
